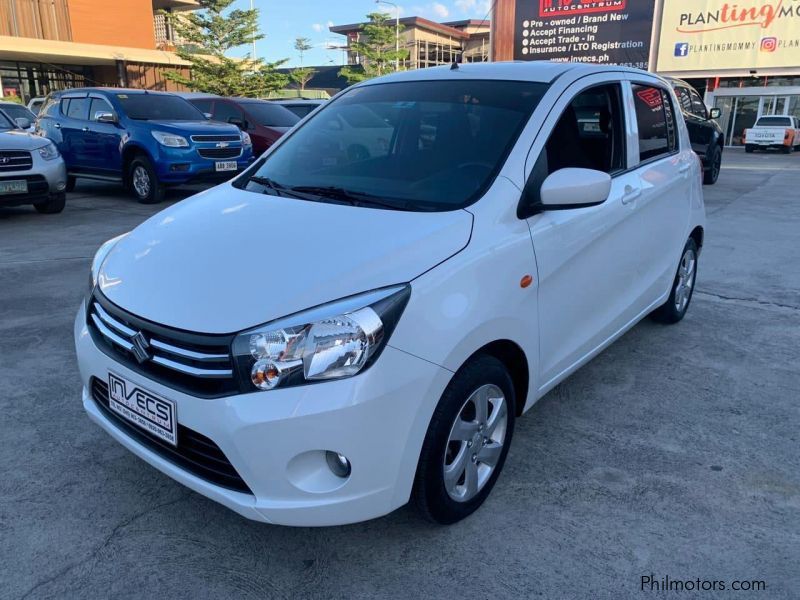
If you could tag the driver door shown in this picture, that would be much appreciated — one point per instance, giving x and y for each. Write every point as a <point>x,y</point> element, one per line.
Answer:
<point>586,257</point>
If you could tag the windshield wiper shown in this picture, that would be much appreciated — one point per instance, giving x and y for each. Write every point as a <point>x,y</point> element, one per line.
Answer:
<point>345,195</point>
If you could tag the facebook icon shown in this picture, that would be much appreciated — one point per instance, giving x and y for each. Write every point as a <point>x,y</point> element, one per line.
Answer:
<point>681,49</point>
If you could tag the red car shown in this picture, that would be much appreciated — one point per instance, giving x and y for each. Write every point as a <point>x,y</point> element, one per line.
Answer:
<point>265,121</point>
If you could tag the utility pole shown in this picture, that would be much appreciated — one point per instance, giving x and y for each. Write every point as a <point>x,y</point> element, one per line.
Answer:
<point>396,32</point>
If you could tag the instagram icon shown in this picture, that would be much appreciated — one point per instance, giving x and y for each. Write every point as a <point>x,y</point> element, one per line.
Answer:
<point>768,44</point>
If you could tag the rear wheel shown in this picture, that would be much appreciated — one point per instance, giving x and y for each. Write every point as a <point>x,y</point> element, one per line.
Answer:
<point>714,165</point>
<point>55,204</point>
<point>144,182</point>
<point>788,149</point>
<point>467,442</point>
<point>682,287</point>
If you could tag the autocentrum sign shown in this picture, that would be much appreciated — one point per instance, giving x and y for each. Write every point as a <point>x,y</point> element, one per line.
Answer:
<point>714,35</point>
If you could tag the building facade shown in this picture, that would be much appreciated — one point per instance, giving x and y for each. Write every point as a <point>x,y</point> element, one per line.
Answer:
<point>745,56</point>
<point>430,43</point>
<point>48,45</point>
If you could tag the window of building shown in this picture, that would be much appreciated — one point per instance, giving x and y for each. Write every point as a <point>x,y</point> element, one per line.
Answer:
<point>657,128</point>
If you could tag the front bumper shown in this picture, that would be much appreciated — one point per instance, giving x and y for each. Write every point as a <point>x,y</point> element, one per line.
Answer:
<point>276,440</point>
<point>177,166</point>
<point>45,178</point>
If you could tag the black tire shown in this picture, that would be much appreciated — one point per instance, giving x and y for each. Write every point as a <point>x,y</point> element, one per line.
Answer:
<point>672,311</point>
<point>54,205</point>
<point>71,181</point>
<point>749,149</point>
<point>429,493</point>
<point>788,149</point>
<point>714,164</point>
<point>149,191</point>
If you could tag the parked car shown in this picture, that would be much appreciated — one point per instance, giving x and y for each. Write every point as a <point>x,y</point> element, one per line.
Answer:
<point>20,115</point>
<point>708,140</point>
<point>145,140</point>
<point>782,133</point>
<point>300,106</point>
<point>35,104</point>
<point>31,170</point>
<point>265,122</point>
<point>353,332</point>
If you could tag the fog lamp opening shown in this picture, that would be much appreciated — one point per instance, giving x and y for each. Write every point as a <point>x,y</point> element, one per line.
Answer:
<point>338,464</point>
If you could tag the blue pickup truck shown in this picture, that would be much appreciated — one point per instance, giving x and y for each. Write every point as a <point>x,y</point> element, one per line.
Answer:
<point>144,140</point>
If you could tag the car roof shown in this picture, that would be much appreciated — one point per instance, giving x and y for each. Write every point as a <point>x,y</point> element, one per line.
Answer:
<point>112,90</point>
<point>195,95</point>
<point>7,103</point>
<point>536,71</point>
<point>297,101</point>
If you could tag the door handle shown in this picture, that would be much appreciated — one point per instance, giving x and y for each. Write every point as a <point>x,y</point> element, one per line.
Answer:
<point>57,125</point>
<point>684,168</point>
<point>631,194</point>
<point>85,129</point>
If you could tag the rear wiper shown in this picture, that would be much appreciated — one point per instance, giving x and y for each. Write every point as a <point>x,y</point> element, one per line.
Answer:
<point>352,198</point>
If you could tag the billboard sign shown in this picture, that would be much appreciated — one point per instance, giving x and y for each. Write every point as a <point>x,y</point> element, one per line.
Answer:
<point>714,35</point>
<point>594,31</point>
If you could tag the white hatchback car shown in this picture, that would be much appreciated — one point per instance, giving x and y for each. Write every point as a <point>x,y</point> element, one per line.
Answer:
<point>330,335</point>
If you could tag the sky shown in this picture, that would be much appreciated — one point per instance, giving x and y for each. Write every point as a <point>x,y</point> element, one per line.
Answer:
<point>284,20</point>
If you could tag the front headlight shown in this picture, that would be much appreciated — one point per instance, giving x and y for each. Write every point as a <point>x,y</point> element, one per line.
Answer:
<point>332,341</point>
<point>246,141</point>
<point>49,152</point>
<point>99,258</point>
<point>171,140</point>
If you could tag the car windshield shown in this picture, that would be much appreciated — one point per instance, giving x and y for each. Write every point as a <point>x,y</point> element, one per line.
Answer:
<point>270,115</point>
<point>18,112</point>
<point>774,122</point>
<point>158,107</point>
<point>425,145</point>
<point>6,123</point>
<point>301,110</point>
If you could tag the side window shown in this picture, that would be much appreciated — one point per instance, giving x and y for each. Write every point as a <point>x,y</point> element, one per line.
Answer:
<point>698,106</point>
<point>227,113</point>
<point>77,108</point>
<point>656,120</point>
<point>590,134</point>
<point>684,98</point>
<point>98,105</point>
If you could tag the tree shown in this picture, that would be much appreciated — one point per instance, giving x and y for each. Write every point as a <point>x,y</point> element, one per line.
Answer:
<point>208,34</point>
<point>302,45</point>
<point>376,49</point>
<point>302,75</point>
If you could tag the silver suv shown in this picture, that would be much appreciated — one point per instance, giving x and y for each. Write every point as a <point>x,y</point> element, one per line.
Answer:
<point>31,170</point>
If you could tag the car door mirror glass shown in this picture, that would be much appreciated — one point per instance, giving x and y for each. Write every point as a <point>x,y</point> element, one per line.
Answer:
<point>22,122</point>
<point>715,113</point>
<point>207,115</point>
<point>575,188</point>
<point>105,117</point>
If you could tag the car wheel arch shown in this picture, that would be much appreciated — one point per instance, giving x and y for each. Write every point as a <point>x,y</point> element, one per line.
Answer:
<point>129,153</point>
<point>697,234</point>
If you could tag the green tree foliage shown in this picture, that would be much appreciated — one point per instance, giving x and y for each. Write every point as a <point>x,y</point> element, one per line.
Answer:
<point>302,45</point>
<point>207,35</point>
<point>302,75</point>
<point>376,49</point>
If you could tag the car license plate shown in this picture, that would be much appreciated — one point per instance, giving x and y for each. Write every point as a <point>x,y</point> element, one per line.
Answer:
<point>19,186</point>
<point>226,165</point>
<point>151,412</point>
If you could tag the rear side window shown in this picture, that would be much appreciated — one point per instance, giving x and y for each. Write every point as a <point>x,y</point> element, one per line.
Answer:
<point>75,108</point>
<point>656,120</point>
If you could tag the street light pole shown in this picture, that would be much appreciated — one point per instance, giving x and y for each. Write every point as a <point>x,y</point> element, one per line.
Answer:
<point>396,32</point>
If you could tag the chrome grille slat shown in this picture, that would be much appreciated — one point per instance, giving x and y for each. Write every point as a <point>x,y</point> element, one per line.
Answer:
<point>112,322</point>
<point>189,370</point>
<point>206,138</point>
<point>15,160</point>
<point>119,341</point>
<point>189,354</point>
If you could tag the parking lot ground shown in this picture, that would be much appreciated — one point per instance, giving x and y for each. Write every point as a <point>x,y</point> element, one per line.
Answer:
<point>673,453</point>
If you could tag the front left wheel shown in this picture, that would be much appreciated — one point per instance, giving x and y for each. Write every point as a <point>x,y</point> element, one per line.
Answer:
<point>467,442</point>
<point>53,205</point>
<point>714,165</point>
<point>144,181</point>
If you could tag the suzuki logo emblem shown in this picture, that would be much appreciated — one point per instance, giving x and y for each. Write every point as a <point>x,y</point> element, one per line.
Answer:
<point>140,346</point>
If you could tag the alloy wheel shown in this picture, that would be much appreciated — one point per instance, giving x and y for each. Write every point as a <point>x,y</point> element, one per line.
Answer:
<point>686,276</point>
<point>141,181</point>
<point>475,443</point>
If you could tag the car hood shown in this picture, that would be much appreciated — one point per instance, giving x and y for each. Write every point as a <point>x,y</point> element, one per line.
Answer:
<point>18,139</point>
<point>194,127</point>
<point>227,259</point>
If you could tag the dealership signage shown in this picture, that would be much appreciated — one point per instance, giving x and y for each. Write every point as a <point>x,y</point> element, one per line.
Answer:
<point>713,35</point>
<point>595,31</point>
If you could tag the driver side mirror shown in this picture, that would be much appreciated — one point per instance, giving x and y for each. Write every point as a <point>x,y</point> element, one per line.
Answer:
<point>22,122</point>
<point>575,188</point>
<point>715,113</point>
<point>105,117</point>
